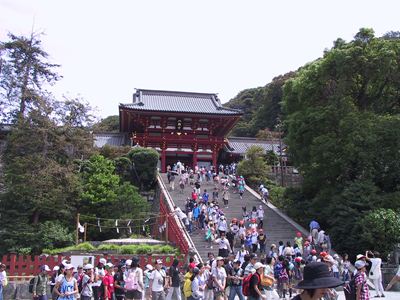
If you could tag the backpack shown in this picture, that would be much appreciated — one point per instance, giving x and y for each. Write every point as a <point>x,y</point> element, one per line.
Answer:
<point>32,283</point>
<point>131,282</point>
<point>350,289</point>
<point>246,283</point>
<point>210,281</point>
<point>277,270</point>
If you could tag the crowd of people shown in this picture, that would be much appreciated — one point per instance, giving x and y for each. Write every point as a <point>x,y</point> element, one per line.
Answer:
<point>253,277</point>
<point>242,264</point>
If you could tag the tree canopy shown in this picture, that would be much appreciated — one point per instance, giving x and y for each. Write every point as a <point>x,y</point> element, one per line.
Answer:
<point>343,132</point>
<point>51,170</point>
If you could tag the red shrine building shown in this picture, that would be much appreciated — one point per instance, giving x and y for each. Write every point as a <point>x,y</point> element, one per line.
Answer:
<point>184,126</point>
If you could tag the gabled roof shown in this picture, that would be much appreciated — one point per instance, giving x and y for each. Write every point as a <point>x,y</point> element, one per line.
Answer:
<point>172,101</point>
<point>239,145</point>
<point>107,138</point>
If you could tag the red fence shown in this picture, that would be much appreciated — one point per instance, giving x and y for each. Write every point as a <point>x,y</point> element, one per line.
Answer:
<point>173,231</point>
<point>20,266</point>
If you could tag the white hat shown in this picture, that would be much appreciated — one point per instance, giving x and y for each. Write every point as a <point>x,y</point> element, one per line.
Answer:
<point>128,262</point>
<point>258,265</point>
<point>149,267</point>
<point>110,265</point>
<point>44,268</point>
<point>56,268</point>
<point>103,261</point>
<point>88,267</point>
<point>69,266</point>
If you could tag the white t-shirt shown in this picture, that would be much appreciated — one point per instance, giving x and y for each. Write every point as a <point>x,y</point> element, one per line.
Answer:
<point>222,243</point>
<point>219,274</point>
<point>3,277</point>
<point>99,272</point>
<point>158,280</point>
<point>376,266</point>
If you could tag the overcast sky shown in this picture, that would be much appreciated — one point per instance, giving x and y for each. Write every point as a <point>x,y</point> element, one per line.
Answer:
<point>108,48</point>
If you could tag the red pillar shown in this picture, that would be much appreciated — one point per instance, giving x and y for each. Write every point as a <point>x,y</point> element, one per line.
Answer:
<point>163,161</point>
<point>194,159</point>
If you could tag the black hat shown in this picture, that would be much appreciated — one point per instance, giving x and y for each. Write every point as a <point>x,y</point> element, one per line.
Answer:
<point>317,276</point>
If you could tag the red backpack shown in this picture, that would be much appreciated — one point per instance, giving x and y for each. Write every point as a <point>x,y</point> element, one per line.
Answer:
<point>246,283</point>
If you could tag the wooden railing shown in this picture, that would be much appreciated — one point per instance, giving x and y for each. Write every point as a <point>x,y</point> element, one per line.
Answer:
<point>22,267</point>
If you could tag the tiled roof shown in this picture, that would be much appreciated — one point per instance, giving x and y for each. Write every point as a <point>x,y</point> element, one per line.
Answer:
<point>112,139</point>
<point>239,145</point>
<point>170,101</point>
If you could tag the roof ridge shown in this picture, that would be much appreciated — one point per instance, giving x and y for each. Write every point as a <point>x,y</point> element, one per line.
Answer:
<point>176,92</point>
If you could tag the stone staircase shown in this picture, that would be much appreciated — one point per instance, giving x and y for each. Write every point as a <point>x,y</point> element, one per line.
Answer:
<point>277,226</point>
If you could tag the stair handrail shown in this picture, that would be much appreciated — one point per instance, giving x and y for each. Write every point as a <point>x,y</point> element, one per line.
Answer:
<point>181,226</point>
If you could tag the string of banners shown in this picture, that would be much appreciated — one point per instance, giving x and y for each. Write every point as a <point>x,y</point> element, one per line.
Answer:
<point>123,223</point>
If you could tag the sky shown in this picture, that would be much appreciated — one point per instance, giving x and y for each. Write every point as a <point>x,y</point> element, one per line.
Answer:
<point>106,49</point>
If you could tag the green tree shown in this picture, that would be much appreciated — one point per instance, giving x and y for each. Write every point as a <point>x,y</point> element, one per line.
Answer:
<point>100,183</point>
<point>144,166</point>
<point>109,124</point>
<point>342,123</point>
<point>254,166</point>
<point>381,230</point>
<point>24,73</point>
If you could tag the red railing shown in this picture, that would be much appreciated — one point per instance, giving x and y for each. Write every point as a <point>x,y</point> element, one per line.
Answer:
<point>175,229</point>
<point>20,267</point>
<point>173,232</point>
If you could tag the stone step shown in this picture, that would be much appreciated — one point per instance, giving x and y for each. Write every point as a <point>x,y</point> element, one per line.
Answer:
<point>275,226</point>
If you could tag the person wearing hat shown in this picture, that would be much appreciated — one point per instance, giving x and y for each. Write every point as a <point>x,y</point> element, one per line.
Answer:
<point>146,281</point>
<point>255,288</point>
<point>134,284</point>
<point>158,282</point>
<point>39,289</point>
<point>360,280</point>
<point>219,276</point>
<point>87,281</point>
<point>236,278</point>
<point>99,273</point>
<point>53,278</point>
<point>59,277</point>
<point>249,268</point>
<point>224,247</point>
<point>68,288</point>
<point>317,280</point>
<point>198,285</point>
<point>108,282</point>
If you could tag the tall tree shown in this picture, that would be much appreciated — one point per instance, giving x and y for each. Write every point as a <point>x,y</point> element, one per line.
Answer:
<point>343,128</point>
<point>24,73</point>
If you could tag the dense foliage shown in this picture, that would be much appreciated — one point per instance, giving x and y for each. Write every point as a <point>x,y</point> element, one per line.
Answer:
<point>261,107</point>
<point>109,124</point>
<point>255,168</point>
<point>51,170</point>
<point>343,132</point>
